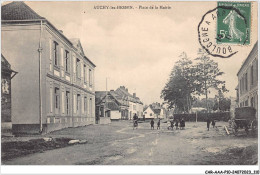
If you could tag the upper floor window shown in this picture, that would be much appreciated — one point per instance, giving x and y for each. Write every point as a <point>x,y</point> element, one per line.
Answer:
<point>55,51</point>
<point>252,74</point>
<point>66,61</point>
<point>90,77</point>
<point>78,68</point>
<point>85,73</point>
<point>246,82</point>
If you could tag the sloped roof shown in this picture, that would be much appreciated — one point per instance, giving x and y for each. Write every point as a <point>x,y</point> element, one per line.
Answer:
<point>18,10</point>
<point>112,106</point>
<point>123,92</point>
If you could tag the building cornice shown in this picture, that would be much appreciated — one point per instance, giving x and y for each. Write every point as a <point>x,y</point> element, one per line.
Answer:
<point>68,83</point>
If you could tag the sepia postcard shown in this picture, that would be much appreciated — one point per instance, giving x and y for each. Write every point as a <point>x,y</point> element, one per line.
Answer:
<point>95,83</point>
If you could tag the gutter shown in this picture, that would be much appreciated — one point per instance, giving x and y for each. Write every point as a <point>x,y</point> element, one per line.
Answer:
<point>40,79</point>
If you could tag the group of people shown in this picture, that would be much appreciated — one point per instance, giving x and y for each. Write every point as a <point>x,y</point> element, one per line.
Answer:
<point>170,124</point>
<point>179,124</point>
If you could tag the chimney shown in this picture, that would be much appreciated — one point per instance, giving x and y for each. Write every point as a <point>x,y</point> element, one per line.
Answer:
<point>126,89</point>
<point>134,94</point>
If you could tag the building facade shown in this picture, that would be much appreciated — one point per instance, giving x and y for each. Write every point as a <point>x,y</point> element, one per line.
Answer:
<point>247,89</point>
<point>135,104</point>
<point>55,85</point>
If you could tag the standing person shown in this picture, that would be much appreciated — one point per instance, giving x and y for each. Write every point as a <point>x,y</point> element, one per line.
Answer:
<point>182,123</point>
<point>152,124</point>
<point>213,123</point>
<point>177,123</point>
<point>144,117</point>
<point>158,124</point>
<point>135,121</point>
<point>172,124</point>
<point>208,123</point>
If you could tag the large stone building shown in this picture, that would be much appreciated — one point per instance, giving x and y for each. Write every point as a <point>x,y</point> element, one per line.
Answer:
<point>55,85</point>
<point>247,89</point>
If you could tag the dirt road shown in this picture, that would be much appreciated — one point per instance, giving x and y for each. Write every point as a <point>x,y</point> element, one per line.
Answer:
<point>119,144</point>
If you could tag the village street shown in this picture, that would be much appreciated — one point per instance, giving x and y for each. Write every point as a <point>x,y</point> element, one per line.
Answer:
<point>118,144</point>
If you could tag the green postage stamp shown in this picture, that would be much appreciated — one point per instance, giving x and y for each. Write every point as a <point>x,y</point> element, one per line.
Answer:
<point>225,27</point>
<point>234,22</point>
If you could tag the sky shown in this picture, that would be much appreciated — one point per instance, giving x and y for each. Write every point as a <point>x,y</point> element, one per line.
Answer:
<point>137,48</point>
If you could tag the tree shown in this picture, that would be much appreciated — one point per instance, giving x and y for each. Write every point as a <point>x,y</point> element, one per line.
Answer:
<point>181,85</point>
<point>207,74</point>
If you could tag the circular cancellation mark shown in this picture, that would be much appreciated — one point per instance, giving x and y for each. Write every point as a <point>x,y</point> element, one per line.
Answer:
<point>217,42</point>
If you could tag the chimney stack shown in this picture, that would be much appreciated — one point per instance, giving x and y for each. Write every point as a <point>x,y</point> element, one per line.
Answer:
<point>134,94</point>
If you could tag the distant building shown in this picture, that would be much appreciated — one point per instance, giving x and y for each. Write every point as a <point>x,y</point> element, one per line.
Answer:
<point>247,90</point>
<point>155,111</point>
<point>110,104</point>
<point>6,108</point>
<point>135,104</point>
<point>55,85</point>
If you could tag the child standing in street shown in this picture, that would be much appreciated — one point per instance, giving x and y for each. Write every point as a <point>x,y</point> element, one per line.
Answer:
<point>152,124</point>
<point>158,124</point>
<point>176,124</point>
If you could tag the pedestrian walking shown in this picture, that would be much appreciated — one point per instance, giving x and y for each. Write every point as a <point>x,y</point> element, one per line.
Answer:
<point>152,124</point>
<point>172,124</point>
<point>182,123</point>
<point>158,124</point>
<point>208,123</point>
<point>213,123</point>
<point>176,124</point>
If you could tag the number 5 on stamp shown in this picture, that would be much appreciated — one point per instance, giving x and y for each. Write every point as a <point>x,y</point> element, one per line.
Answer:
<point>233,23</point>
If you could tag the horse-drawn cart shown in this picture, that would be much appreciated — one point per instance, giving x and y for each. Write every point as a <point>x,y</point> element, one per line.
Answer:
<point>245,118</point>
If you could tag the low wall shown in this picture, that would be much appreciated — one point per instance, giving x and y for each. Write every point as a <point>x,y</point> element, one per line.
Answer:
<point>201,117</point>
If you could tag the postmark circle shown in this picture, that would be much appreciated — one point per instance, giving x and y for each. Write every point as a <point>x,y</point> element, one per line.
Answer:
<point>221,44</point>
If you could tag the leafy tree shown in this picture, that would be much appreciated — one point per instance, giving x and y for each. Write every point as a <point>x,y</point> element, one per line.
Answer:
<point>207,74</point>
<point>181,85</point>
